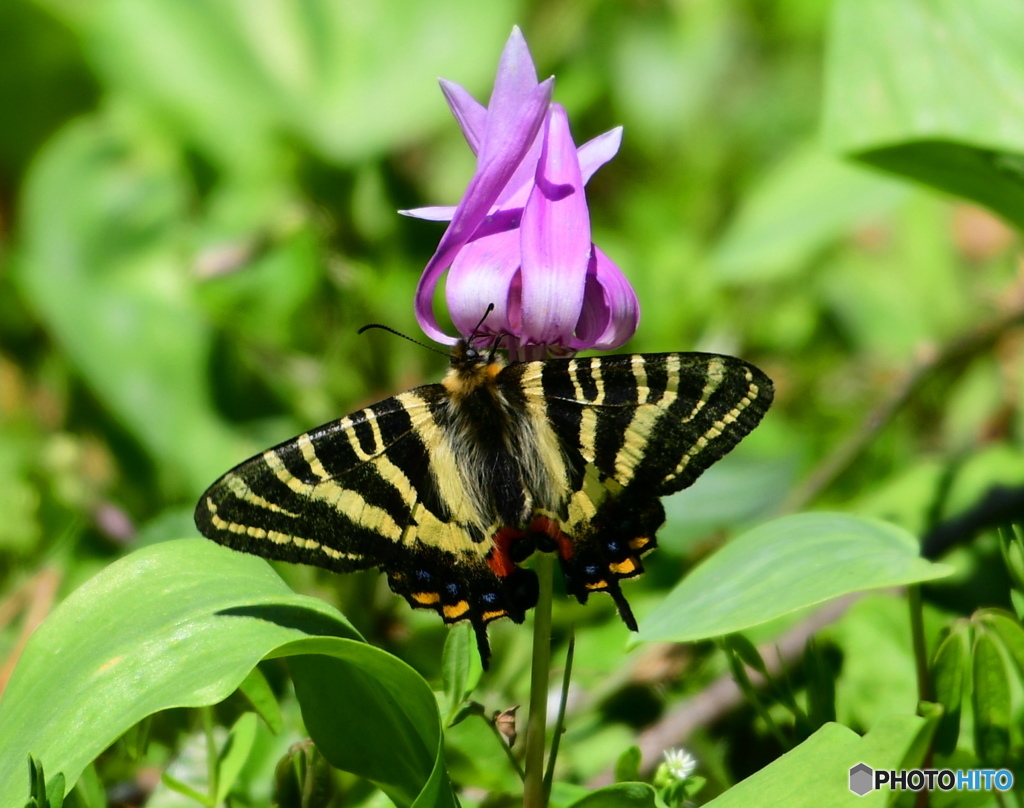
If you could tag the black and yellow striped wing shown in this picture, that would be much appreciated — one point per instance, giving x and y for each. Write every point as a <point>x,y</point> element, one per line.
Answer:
<point>449,487</point>
<point>373,489</point>
<point>635,428</point>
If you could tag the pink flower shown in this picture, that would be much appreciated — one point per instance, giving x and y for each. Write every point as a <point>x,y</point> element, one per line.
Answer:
<point>520,237</point>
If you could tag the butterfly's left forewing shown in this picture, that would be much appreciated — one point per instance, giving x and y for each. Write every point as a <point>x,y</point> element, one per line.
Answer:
<point>634,428</point>
<point>371,489</point>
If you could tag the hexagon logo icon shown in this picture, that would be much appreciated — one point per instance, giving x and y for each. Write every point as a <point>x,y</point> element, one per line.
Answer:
<point>861,779</point>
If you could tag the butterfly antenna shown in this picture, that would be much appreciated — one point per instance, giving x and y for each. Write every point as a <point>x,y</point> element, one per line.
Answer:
<point>403,336</point>
<point>496,346</point>
<point>476,331</point>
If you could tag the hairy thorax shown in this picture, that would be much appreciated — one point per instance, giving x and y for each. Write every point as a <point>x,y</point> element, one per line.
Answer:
<point>493,435</point>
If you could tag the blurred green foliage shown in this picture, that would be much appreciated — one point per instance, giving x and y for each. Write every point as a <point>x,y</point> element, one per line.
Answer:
<point>197,211</point>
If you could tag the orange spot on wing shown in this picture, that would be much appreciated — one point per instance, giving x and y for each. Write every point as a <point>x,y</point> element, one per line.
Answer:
<point>623,567</point>
<point>455,611</point>
<point>639,543</point>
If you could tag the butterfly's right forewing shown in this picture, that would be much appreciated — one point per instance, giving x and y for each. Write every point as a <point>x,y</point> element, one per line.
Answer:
<point>635,428</point>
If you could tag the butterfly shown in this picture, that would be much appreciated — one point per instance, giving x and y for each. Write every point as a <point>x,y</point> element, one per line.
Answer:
<point>449,487</point>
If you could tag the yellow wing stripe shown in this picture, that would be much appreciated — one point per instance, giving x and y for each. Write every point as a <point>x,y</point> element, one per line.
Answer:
<point>344,500</point>
<point>237,486</point>
<point>274,536</point>
<point>716,372</point>
<point>719,426</point>
<point>639,365</point>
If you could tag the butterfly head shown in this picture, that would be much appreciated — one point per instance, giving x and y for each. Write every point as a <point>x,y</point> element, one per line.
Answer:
<point>471,368</point>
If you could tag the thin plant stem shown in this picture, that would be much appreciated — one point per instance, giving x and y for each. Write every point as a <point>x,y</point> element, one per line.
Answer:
<point>211,754</point>
<point>556,737</point>
<point>924,689</point>
<point>536,728</point>
<point>505,747</point>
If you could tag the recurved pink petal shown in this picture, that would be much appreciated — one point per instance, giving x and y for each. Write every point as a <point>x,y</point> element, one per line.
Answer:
<point>555,233</point>
<point>470,113</point>
<point>435,213</point>
<point>611,311</point>
<point>596,152</point>
<point>502,154</point>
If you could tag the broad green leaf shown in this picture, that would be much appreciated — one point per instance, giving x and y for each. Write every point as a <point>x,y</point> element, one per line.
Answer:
<point>930,89</point>
<point>176,624</point>
<point>461,668</point>
<point>807,201</point>
<point>990,698</point>
<point>816,772</point>
<point>948,670</point>
<point>624,795</point>
<point>783,566</point>
<point>343,685</point>
<point>115,294</point>
<point>235,753</point>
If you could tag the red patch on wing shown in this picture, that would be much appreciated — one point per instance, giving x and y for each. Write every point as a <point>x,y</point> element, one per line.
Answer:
<point>499,559</point>
<point>550,528</point>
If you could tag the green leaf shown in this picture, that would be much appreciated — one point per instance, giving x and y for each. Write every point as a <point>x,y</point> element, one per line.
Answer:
<point>41,793</point>
<point>173,625</point>
<point>178,787</point>
<point>303,779</point>
<point>235,753</point>
<point>1012,543</point>
<point>948,670</point>
<point>930,89</point>
<point>627,767</point>
<point>815,773</point>
<point>257,691</point>
<point>461,668</point>
<point>810,199</point>
<point>626,795</point>
<point>821,685</point>
<point>341,685</point>
<point>783,566</point>
<point>1009,631</point>
<point>990,698</point>
<point>747,653</point>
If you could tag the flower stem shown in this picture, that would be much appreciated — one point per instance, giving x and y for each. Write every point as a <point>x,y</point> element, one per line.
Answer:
<point>536,728</point>
<point>549,775</point>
